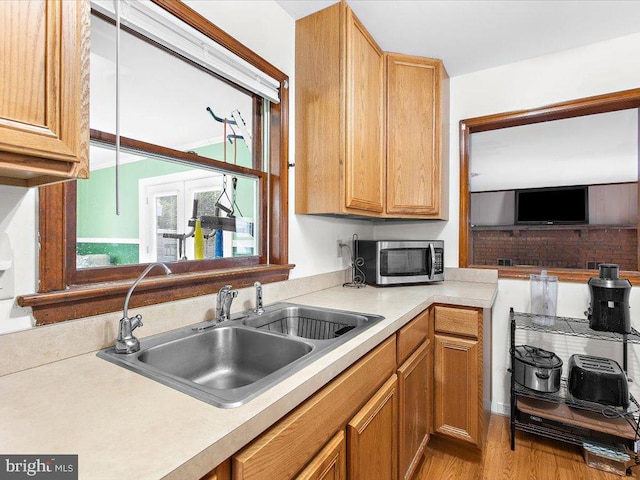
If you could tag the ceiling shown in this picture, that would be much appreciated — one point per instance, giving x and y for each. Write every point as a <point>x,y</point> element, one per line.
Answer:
<point>474,35</point>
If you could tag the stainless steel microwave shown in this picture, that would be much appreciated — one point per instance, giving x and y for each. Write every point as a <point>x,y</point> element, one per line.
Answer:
<point>401,262</point>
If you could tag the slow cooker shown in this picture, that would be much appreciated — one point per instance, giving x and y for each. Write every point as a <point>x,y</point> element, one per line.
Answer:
<point>537,369</point>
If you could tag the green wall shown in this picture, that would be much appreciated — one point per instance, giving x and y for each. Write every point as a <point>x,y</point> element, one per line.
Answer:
<point>96,198</point>
<point>96,216</point>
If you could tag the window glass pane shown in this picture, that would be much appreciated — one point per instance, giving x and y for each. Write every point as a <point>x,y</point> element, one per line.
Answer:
<point>166,101</point>
<point>558,194</point>
<point>157,219</point>
<point>166,222</point>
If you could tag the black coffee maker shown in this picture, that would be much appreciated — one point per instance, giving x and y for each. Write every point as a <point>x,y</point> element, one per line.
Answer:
<point>609,309</point>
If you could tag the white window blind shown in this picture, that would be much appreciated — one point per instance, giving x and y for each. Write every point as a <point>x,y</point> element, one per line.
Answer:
<point>162,27</point>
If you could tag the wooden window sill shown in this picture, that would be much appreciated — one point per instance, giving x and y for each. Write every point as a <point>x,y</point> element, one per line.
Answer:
<point>563,274</point>
<point>86,300</point>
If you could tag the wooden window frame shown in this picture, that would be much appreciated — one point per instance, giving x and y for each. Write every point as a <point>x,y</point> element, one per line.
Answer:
<point>66,293</point>
<point>611,102</point>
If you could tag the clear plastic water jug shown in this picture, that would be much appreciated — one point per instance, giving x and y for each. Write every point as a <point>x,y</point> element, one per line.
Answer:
<point>544,296</point>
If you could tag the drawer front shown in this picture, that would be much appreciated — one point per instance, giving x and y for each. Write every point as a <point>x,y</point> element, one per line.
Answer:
<point>458,321</point>
<point>412,335</point>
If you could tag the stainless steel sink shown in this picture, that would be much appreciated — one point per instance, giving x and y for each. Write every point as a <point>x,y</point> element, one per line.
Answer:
<point>308,322</point>
<point>229,363</point>
<point>224,358</point>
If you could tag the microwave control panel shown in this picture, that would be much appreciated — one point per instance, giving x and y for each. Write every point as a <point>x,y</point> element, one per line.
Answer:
<point>438,263</point>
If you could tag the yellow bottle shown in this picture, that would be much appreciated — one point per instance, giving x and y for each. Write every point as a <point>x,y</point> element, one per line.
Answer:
<point>198,242</point>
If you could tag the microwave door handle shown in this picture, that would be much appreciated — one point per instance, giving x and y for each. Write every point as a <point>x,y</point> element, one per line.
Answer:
<point>432,261</point>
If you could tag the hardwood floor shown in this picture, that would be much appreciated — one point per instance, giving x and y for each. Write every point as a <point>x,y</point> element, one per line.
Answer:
<point>535,458</point>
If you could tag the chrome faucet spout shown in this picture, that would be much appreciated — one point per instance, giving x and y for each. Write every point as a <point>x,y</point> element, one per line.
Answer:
<point>126,342</point>
<point>223,303</point>
<point>135,284</point>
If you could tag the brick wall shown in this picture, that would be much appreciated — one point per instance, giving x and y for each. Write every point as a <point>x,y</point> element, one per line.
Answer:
<point>560,248</point>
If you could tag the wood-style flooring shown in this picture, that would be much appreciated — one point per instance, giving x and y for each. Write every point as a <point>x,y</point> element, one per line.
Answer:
<point>535,458</point>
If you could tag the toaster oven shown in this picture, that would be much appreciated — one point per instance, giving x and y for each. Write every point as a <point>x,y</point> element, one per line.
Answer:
<point>599,380</point>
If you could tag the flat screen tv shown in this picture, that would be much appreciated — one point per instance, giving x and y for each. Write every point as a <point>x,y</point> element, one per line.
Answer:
<point>557,205</point>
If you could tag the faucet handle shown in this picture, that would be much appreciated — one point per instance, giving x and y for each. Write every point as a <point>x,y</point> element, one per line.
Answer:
<point>136,322</point>
<point>259,308</point>
<point>223,302</point>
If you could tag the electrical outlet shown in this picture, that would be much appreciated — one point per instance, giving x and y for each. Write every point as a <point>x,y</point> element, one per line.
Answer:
<point>339,248</point>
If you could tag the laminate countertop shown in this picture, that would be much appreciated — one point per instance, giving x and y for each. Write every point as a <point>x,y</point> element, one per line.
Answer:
<point>124,425</point>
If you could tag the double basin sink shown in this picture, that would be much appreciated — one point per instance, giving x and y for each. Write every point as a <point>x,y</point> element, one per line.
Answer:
<point>229,363</point>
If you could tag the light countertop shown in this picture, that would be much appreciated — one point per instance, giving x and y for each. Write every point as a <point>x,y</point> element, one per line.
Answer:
<point>124,425</point>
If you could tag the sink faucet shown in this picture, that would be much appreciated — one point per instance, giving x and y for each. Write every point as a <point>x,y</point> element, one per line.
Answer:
<point>259,308</point>
<point>126,342</point>
<point>223,303</point>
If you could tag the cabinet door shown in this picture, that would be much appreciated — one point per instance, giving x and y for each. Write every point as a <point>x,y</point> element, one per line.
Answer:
<point>221,472</point>
<point>414,163</point>
<point>372,437</point>
<point>457,388</point>
<point>364,162</point>
<point>283,450</point>
<point>44,99</point>
<point>330,463</point>
<point>413,415</point>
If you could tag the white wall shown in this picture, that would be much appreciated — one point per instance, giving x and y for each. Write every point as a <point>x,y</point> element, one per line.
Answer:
<point>270,32</point>
<point>18,219</point>
<point>265,28</point>
<point>563,152</point>
<point>582,72</point>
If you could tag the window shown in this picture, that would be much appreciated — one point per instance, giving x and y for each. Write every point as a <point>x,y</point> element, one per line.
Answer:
<point>601,181</point>
<point>229,160</point>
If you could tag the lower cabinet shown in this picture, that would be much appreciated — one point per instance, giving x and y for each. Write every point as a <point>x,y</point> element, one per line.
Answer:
<point>456,409</point>
<point>221,472</point>
<point>330,463</point>
<point>373,421</point>
<point>372,436</point>
<point>290,446</point>
<point>414,419</point>
<point>462,373</point>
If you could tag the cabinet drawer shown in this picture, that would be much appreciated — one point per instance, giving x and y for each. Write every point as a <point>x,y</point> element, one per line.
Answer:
<point>457,321</point>
<point>412,335</point>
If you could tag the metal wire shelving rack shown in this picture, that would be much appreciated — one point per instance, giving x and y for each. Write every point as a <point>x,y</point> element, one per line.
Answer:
<point>555,412</point>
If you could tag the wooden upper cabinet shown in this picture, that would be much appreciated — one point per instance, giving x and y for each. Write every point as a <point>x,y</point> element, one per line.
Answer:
<point>44,99</point>
<point>364,163</point>
<point>417,106</point>
<point>340,117</point>
<point>371,128</point>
